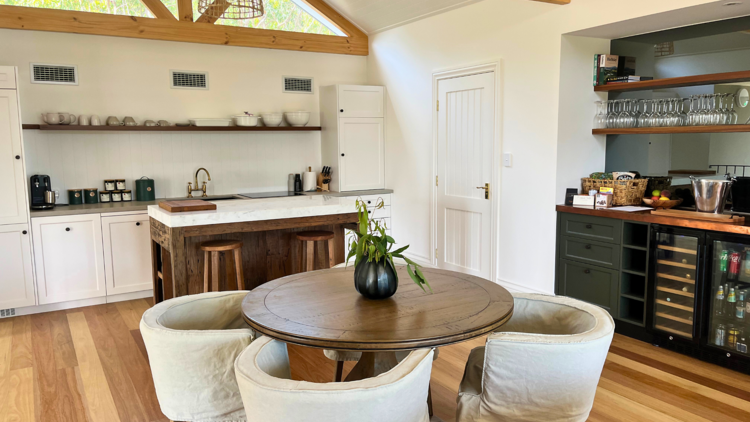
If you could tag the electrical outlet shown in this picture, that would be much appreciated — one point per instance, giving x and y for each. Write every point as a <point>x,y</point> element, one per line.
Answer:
<point>57,193</point>
<point>507,159</point>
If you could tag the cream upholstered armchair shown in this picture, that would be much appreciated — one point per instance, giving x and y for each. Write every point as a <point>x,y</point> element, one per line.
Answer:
<point>192,342</point>
<point>268,391</point>
<point>544,365</point>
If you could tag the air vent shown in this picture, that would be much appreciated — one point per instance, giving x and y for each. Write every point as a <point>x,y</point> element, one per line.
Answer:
<point>298,85</point>
<point>189,80</point>
<point>7,313</point>
<point>54,74</point>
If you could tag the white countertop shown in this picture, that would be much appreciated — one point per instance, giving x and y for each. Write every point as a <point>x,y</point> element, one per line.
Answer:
<point>244,210</point>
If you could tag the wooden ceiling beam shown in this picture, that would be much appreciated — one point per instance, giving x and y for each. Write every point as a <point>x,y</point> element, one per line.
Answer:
<point>560,2</point>
<point>218,7</point>
<point>158,8</point>
<point>38,19</point>
<point>185,10</point>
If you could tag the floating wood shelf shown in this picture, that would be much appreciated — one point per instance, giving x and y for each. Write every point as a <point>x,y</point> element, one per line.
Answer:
<point>668,130</point>
<point>697,80</point>
<point>173,128</point>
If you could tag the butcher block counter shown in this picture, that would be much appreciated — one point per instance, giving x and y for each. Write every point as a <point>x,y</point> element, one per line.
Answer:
<point>265,226</point>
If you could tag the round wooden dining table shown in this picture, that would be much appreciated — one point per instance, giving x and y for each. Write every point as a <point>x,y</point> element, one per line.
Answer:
<point>322,309</point>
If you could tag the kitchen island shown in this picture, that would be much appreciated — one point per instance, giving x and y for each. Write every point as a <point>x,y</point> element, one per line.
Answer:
<point>265,226</point>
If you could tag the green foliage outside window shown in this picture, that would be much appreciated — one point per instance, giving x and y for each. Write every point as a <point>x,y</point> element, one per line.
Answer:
<point>282,15</point>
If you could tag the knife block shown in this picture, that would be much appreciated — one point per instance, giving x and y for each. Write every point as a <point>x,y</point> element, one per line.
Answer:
<point>322,187</point>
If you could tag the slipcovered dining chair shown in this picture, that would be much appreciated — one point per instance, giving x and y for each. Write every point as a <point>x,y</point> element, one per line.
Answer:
<point>192,342</point>
<point>544,365</point>
<point>270,395</point>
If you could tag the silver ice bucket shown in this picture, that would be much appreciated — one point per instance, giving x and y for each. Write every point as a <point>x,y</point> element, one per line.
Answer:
<point>711,195</point>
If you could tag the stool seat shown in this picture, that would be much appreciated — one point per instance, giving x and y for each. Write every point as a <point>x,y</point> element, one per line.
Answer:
<point>314,235</point>
<point>211,251</point>
<point>221,245</point>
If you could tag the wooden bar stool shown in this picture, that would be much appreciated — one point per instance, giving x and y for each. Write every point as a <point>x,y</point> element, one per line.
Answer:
<point>308,239</point>
<point>212,249</point>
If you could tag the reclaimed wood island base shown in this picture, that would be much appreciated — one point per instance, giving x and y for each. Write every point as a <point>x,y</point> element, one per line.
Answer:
<point>266,228</point>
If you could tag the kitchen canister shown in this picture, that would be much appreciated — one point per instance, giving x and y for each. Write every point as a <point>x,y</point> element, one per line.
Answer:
<point>144,189</point>
<point>91,195</point>
<point>75,196</point>
<point>109,185</point>
<point>116,196</point>
<point>127,195</point>
<point>105,196</point>
<point>120,184</point>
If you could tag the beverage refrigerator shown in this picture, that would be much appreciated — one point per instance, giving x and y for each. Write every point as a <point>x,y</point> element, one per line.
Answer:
<point>698,302</point>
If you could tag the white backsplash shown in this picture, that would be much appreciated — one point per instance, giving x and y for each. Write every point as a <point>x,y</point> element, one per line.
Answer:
<point>238,162</point>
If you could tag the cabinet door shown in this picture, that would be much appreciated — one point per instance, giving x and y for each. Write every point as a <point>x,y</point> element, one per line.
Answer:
<point>13,204</point>
<point>127,253</point>
<point>7,77</point>
<point>589,283</point>
<point>362,160</point>
<point>68,257</point>
<point>16,277</point>
<point>361,101</point>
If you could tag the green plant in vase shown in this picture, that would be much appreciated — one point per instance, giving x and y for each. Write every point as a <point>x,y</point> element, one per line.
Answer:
<point>375,275</point>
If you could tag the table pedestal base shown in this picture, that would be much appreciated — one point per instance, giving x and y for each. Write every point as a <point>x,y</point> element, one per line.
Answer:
<point>372,364</point>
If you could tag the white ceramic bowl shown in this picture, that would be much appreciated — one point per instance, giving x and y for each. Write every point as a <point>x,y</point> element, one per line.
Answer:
<point>297,118</point>
<point>245,120</point>
<point>272,119</point>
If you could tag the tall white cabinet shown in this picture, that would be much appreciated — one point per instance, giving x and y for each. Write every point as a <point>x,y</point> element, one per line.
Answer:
<point>16,276</point>
<point>353,136</point>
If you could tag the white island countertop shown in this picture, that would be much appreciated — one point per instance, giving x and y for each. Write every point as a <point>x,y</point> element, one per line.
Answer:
<point>244,210</point>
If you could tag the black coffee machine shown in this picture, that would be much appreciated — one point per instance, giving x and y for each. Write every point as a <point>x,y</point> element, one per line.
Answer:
<point>40,199</point>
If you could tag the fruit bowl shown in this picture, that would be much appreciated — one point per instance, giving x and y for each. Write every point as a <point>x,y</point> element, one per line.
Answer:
<point>663,204</point>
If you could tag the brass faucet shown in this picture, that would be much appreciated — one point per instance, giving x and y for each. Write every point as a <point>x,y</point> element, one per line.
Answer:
<point>190,189</point>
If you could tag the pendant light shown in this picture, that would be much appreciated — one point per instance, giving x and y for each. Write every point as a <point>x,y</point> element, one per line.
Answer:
<point>231,9</point>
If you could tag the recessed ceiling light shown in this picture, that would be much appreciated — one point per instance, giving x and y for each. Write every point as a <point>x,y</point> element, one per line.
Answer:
<point>732,3</point>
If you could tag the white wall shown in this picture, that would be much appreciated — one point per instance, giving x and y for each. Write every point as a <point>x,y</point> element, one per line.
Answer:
<point>238,162</point>
<point>525,38</point>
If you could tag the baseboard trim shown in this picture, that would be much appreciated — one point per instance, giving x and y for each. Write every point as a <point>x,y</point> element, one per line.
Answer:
<point>421,260</point>
<point>51,307</point>
<point>515,287</point>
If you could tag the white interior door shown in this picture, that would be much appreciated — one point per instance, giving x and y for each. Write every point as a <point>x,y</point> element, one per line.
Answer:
<point>13,204</point>
<point>464,163</point>
<point>362,148</point>
<point>127,253</point>
<point>16,278</point>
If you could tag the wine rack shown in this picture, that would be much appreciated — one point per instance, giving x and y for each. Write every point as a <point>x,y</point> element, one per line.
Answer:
<point>676,264</point>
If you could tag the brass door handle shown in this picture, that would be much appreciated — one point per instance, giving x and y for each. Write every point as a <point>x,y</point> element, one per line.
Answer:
<point>486,188</point>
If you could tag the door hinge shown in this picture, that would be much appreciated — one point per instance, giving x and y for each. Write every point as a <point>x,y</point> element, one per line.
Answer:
<point>436,180</point>
<point>436,254</point>
<point>438,105</point>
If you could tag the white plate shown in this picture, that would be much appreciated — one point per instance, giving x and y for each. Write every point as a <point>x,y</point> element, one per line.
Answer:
<point>210,122</point>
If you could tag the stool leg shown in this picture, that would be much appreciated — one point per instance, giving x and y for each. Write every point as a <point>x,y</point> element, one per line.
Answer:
<point>339,371</point>
<point>302,254</point>
<point>206,270</point>
<point>331,257</point>
<point>215,271</point>
<point>310,256</point>
<point>238,266</point>
<point>429,400</point>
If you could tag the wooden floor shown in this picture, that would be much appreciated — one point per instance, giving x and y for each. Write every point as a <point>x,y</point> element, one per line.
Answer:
<point>89,364</point>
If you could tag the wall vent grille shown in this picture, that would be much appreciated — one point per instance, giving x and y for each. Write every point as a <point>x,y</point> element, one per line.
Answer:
<point>298,85</point>
<point>189,80</point>
<point>54,74</point>
<point>7,313</point>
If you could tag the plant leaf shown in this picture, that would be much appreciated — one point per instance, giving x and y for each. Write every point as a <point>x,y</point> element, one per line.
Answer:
<point>414,277</point>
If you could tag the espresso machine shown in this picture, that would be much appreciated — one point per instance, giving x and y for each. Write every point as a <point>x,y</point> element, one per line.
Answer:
<point>42,196</point>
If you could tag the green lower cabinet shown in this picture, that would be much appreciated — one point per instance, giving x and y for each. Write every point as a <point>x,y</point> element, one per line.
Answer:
<point>589,283</point>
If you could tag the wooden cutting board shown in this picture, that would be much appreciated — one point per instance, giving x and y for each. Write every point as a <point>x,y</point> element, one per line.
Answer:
<point>703,216</point>
<point>187,205</point>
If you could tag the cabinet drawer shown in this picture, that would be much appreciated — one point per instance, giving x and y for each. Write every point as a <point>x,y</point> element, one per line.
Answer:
<point>591,252</point>
<point>589,283</point>
<point>372,200</point>
<point>594,228</point>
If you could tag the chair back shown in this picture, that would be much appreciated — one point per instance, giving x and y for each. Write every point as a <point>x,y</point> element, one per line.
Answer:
<point>546,362</point>
<point>270,395</point>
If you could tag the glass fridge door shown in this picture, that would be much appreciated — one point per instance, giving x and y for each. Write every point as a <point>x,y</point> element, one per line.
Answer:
<point>676,265</point>
<point>730,284</point>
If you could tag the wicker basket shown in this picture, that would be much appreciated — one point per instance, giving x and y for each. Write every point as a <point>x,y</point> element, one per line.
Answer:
<point>626,192</point>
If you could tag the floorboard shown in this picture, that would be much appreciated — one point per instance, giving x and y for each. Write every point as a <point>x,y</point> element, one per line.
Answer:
<point>90,364</point>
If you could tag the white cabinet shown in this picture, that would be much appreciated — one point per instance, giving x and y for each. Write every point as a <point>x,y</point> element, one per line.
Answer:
<point>127,253</point>
<point>13,204</point>
<point>68,257</point>
<point>362,161</point>
<point>353,136</point>
<point>7,77</point>
<point>16,277</point>
<point>361,101</point>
